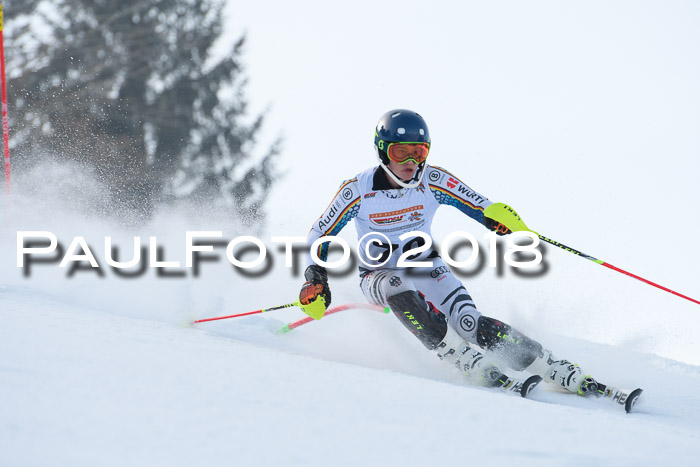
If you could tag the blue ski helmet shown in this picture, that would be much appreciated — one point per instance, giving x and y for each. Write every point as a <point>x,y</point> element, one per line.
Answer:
<point>400,126</point>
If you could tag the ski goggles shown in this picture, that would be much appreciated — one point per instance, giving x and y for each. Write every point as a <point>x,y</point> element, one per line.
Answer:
<point>404,152</point>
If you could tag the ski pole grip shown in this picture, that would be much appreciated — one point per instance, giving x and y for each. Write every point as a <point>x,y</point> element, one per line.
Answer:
<point>507,216</point>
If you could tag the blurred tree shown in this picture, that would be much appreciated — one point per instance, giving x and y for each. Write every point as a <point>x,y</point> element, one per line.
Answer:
<point>133,89</point>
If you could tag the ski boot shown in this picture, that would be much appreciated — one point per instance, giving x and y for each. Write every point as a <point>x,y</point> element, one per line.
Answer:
<point>473,364</point>
<point>564,374</point>
<point>570,377</point>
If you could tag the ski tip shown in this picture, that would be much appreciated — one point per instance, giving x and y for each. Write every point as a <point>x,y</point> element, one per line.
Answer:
<point>632,399</point>
<point>529,384</point>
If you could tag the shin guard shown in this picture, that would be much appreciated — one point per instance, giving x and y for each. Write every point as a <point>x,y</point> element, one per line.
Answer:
<point>424,321</point>
<point>516,349</point>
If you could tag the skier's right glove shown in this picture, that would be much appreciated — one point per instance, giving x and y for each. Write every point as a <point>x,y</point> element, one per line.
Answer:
<point>315,295</point>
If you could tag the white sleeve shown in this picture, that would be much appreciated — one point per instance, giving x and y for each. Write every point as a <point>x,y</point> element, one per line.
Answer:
<point>450,190</point>
<point>343,208</point>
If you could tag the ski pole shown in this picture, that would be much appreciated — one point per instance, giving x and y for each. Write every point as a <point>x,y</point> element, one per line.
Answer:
<point>350,306</point>
<point>614,268</point>
<point>262,310</point>
<point>507,216</point>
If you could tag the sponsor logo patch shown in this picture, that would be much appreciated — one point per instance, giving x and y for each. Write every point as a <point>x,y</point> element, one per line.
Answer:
<point>397,217</point>
<point>437,272</point>
<point>329,217</point>
<point>468,323</point>
<point>415,216</point>
<point>395,281</point>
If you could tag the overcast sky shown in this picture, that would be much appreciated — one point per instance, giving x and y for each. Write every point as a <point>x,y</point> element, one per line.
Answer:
<point>526,101</point>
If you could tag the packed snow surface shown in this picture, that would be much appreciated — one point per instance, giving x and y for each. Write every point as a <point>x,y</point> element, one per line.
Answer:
<point>84,386</point>
<point>100,370</point>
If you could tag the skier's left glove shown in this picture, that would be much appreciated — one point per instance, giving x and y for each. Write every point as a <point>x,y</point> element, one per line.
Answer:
<point>315,295</point>
<point>496,226</point>
<point>503,219</point>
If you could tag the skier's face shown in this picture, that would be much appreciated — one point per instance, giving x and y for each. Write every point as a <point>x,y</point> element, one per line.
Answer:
<point>404,171</point>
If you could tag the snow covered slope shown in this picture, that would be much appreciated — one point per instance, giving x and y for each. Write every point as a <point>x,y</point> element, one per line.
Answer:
<point>101,370</point>
<point>82,387</point>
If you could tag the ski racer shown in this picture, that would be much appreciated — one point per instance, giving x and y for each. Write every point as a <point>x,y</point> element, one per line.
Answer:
<point>401,195</point>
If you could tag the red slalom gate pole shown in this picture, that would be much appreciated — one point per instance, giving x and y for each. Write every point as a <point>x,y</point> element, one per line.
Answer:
<point>288,327</point>
<point>5,118</point>
<point>262,310</point>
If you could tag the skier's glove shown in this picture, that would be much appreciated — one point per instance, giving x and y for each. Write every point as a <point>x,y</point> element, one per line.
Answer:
<point>315,295</point>
<point>499,214</point>
<point>496,226</point>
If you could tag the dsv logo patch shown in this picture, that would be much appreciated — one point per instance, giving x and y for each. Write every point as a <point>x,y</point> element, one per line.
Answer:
<point>468,323</point>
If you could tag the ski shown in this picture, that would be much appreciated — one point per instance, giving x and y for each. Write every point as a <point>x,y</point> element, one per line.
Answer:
<point>518,386</point>
<point>623,398</point>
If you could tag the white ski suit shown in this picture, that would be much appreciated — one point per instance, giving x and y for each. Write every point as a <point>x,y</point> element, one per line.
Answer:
<point>379,209</point>
<point>423,298</point>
